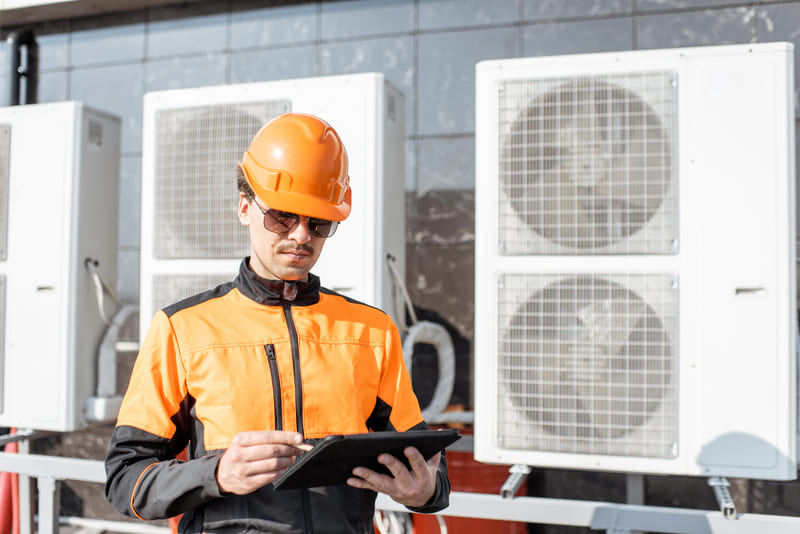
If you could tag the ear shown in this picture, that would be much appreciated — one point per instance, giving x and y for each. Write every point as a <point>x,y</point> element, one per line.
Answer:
<point>244,210</point>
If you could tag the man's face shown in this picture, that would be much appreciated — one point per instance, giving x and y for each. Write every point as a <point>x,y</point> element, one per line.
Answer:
<point>288,256</point>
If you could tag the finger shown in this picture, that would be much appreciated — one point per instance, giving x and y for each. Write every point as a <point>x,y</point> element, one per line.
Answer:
<point>261,437</point>
<point>416,461</point>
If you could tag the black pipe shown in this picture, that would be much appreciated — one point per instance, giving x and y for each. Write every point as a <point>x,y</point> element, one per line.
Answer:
<point>30,71</point>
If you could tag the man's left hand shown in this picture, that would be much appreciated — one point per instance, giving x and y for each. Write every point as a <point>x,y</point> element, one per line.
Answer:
<point>410,487</point>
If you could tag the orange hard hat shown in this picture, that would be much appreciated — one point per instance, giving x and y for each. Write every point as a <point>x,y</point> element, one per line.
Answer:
<point>297,163</point>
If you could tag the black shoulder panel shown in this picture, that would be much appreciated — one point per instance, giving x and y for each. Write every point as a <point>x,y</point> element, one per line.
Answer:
<point>219,291</point>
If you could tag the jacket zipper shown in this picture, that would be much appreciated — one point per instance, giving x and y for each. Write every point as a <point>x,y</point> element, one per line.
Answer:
<point>276,385</point>
<point>298,404</point>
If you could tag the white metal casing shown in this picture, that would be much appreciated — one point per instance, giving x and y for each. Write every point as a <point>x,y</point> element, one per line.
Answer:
<point>193,139</point>
<point>712,267</point>
<point>60,201</point>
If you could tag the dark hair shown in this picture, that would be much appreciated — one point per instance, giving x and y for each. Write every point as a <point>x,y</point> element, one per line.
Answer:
<point>243,185</point>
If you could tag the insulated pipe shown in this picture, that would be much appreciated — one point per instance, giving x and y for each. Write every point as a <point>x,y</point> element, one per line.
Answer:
<point>30,71</point>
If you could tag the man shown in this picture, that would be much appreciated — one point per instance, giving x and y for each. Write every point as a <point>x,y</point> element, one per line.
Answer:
<point>245,371</point>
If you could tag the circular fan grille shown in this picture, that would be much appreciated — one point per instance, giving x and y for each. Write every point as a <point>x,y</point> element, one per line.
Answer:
<point>586,358</point>
<point>196,196</point>
<point>586,164</point>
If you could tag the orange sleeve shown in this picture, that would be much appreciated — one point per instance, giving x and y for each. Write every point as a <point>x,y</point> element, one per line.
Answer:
<point>395,388</point>
<point>158,382</point>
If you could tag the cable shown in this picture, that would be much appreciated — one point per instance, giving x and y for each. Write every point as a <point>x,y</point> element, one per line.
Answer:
<point>401,284</point>
<point>101,286</point>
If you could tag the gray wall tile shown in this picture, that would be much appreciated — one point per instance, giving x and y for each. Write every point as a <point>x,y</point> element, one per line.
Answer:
<point>274,26</point>
<point>359,18</point>
<point>652,5</point>
<point>117,89</point>
<point>696,28</point>
<point>53,86</point>
<point>4,93</point>
<point>438,14</point>
<point>274,64</point>
<point>598,35</point>
<point>53,43</point>
<point>410,164</point>
<point>186,29</point>
<point>107,39</point>
<point>393,56</point>
<point>130,205</point>
<point>183,72</point>
<point>553,9</point>
<point>446,98</point>
<point>780,23</point>
<point>446,164</point>
<point>128,275</point>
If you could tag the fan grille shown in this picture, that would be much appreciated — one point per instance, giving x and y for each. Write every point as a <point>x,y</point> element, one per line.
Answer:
<point>587,163</point>
<point>586,365</point>
<point>197,149</point>
<point>170,288</point>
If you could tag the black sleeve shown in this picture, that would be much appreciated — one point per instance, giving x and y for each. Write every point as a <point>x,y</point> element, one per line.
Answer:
<point>144,480</point>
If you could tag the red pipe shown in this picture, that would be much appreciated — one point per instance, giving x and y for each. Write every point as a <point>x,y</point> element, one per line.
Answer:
<point>9,497</point>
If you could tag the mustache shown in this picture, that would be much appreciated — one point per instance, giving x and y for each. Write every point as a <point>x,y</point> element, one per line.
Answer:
<point>294,247</point>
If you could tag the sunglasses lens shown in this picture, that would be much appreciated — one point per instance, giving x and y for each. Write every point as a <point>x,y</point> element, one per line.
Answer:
<point>322,227</point>
<point>282,222</point>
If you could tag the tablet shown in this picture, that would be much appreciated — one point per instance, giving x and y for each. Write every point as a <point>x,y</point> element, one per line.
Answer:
<point>333,458</point>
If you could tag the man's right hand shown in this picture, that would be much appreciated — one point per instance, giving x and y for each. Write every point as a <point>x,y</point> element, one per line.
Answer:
<point>255,459</point>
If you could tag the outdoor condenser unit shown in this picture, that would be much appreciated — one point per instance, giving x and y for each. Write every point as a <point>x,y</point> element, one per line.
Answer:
<point>635,262</point>
<point>191,236</point>
<point>59,183</point>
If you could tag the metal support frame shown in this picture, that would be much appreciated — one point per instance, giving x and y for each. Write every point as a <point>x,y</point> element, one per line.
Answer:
<point>726,505</point>
<point>611,517</point>
<point>518,475</point>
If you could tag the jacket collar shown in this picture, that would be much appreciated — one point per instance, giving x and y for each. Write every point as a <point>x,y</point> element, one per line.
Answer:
<point>276,292</point>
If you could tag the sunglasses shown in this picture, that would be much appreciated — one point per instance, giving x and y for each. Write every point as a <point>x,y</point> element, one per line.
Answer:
<point>282,222</point>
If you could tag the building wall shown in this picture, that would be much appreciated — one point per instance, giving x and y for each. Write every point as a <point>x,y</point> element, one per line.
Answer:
<point>427,48</point>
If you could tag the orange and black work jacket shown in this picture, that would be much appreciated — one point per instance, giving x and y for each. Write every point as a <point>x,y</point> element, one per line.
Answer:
<point>255,354</point>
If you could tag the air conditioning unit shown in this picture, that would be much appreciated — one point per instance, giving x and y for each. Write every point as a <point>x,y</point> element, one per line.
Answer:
<point>59,183</point>
<point>191,236</point>
<point>635,262</point>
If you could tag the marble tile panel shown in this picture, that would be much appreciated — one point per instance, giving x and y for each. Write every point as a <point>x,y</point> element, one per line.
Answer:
<point>184,72</point>
<point>187,29</point>
<point>393,56</point>
<point>444,218</point>
<point>446,164</point>
<point>578,37</point>
<point>253,26</point>
<point>4,90</point>
<point>130,196</point>
<point>441,14</point>
<point>696,28</point>
<point>555,9</point>
<point>781,22</point>
<point>117,89</point>
<point>446,94</point>
<point>441,286</point>
<point>273,64</point>
<point>107,38</point>
<point>356,18</point>
<point>52,86</point>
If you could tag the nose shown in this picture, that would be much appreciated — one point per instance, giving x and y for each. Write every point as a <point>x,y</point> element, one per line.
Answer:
<point>300,233</point>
